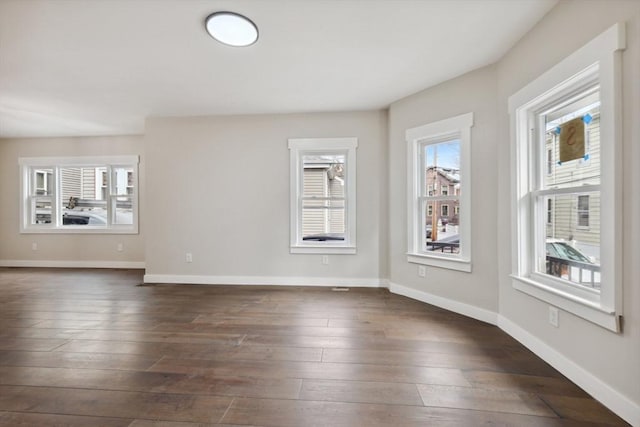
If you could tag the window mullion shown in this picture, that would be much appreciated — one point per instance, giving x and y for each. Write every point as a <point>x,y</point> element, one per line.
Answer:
<point>567,190</point>
<point>56,208</point>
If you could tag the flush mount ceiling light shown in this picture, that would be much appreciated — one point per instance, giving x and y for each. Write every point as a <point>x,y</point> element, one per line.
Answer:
<point>231,29</point>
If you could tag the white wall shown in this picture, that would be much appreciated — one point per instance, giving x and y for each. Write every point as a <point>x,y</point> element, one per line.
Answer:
<point>613,359</point>
<point>220,190</point>
<point>64,250</point>
<point>474,92</point>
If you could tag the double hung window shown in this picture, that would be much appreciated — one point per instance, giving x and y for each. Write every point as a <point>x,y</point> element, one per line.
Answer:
<point>323,199</point>
<point>566,201</point>
<point>439,193</point>
<point>79,194</point>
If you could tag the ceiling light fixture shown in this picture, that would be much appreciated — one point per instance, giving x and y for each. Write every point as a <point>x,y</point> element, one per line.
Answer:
<point>231,29</point>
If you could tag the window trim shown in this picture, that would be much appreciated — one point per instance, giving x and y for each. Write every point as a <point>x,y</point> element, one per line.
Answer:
<point>29,163</point>
<point>599,59</point>
<point>455,127</point>
<point>297,148</point>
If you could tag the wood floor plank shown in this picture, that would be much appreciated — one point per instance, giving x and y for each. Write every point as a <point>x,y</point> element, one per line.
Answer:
<point>483,400</point>
<point>157,382</point>
<point>582,409</point>
<point>89,402</point>
<point>31,344</point>
<point>160,337</point>
<point>495,360</point>
<point>194,351</point>
<point>361,392</point>
<point>57,359</point>
<point>314,370</point>
<point>527,383</point>
<point>263,329</point>
<point>13,419</point>
<point>283,413</point>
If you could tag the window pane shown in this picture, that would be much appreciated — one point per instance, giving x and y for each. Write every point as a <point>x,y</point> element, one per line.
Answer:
<point>123,211</point>
<point>42,181</point>
<point>442,168</point>
<point>81,196</point>
<point>323,205</point>
<point>445,236</point>
<point>572,250</point>
<point>573,132</point>
<point>327,220</point>
<point>122,181</point>
<point>41,212</point>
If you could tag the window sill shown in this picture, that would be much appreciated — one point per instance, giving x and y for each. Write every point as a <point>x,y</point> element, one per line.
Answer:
<point>78,230</point>
<point>441,262</point>
<point>588,310</point>
<point>323,250</point>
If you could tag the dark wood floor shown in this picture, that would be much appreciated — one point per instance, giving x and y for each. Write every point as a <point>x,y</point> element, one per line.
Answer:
<point>92,348</point>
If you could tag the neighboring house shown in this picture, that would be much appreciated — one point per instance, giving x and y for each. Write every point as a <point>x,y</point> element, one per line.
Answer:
<point>575,216</point>
<point>443,182</point>
<point>324,198</point>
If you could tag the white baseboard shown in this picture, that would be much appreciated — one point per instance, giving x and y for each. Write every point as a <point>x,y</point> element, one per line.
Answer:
<point>611,398</point>
<point>448,304</point>
<point>73,264</point>
<point>265,280</point>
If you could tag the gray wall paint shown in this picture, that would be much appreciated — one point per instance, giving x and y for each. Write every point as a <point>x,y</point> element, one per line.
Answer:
<point>221,191</point>
<point>474,92</point>
<point>63,247</point>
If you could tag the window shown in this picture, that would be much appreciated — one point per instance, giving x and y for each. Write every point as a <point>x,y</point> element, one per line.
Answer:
<point>79,194</point>
<point>438,155</point>
<point>323,195</point>
<point>583,211</point>
<point>559,253</point>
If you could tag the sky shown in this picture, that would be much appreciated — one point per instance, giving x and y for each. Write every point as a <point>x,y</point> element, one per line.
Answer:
<point>448,154</point>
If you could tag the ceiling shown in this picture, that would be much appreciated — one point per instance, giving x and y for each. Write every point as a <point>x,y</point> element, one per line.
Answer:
<point>100,67</point>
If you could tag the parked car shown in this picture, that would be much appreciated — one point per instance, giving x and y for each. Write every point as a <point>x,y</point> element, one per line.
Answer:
<point>562,249</point>
<point>82,218</point>
<point>569,263</point>
<point>323,237</point>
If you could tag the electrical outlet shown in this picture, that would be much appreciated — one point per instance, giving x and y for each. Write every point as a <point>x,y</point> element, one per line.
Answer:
<point>422,271</point>
<point>188,257</point>
<point>325,259</point>
<point>34,246</point>
<point>120,247</point>
<point>553,316</point>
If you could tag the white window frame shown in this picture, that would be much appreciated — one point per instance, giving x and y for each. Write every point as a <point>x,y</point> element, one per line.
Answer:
<point>599,60</point>
<point>298,147</point>
<point>458,127</point>
<point>28,164</point>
